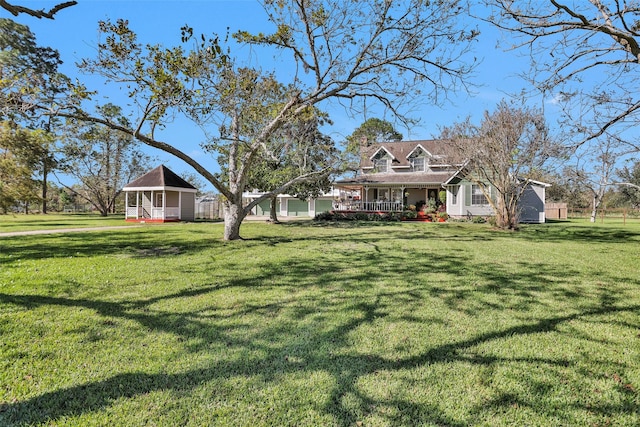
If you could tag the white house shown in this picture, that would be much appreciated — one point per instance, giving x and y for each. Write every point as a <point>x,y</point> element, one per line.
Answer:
<point>397,174</point>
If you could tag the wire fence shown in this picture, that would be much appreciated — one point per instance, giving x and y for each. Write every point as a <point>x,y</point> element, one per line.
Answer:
<point>605,214</point>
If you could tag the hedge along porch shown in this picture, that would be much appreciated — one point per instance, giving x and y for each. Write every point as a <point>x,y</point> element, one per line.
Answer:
<point>159,196</point>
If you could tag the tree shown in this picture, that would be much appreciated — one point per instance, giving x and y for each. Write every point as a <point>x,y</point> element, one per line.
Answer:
<point>585,54</point>
<point>371,131</point>
<point>102,159</point>
<point>20,153</point>
<point>296,148</point>
<point>15,10</point>
<point>29,76</point>
<point>630,185</point>
<point>595,171</point>
<point>388,52</point>
<point>500,153</point>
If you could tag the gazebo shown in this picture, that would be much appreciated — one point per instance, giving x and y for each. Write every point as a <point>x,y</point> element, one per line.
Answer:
<point>160,196</point>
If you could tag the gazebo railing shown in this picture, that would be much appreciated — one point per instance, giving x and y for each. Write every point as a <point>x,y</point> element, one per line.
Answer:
<point>132,212</point>
<point>165,213</point>
<point>156,213</point>
<point>171,212</point>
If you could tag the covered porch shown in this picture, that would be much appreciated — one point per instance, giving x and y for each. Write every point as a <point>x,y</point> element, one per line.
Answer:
<point>161,206</point>
<point>382,198</point>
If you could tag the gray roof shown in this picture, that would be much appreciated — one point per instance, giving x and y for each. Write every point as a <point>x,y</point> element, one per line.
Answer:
<point>399,172</point>
<point>398,178</point>
<point>160,177</point>
<point>400,150</point>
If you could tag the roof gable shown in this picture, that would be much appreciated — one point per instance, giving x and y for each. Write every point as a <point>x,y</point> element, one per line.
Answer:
<point>382,148</point>
<point>416,151</point>
<point>399,151</point>
<point>160,177</point>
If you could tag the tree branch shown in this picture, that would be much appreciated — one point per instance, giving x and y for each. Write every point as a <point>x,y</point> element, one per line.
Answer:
<point>16,10</point>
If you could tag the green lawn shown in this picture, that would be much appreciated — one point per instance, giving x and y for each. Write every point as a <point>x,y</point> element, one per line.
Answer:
<point>19,222</point>
<point>399,324</point>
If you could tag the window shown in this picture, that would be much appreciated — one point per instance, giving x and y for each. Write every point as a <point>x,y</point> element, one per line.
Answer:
<point>454,195</point>
<point>417,164</point>
<point>477,197</point>
<point>381,165</point>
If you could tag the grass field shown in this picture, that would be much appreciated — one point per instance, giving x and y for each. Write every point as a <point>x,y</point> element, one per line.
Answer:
<point>19,222</point>
<point>303,324</point>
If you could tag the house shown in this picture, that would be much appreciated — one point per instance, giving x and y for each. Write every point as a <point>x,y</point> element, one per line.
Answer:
<point>394,175</point>
<point>159,196</point>
<point>291,206</point>
<point>465,198</point>
<point>398,174</point>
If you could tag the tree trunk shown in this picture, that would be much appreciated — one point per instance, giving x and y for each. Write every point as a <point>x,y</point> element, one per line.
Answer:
<point>273,216</point>
<point>594,210</point>
<point>44,186</point>
<point>234,213</point>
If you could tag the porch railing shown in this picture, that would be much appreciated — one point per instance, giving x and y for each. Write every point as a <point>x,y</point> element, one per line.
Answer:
<point>132,212</point>
<point>156,213</point>
<point>172,212</point>
<point>166,213</point>
<point>381,206</point>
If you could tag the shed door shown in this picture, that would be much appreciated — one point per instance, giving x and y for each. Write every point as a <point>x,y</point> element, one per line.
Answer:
<point>264,207</point>
<point>297,207</point>
<point>323,206</point>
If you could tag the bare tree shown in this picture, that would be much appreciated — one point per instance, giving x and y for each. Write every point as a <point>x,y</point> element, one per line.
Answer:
<point>395,54</point>
<point>500,154</point>
<point>595,169</point>
<point>103,160</point>
<point>585,54</point>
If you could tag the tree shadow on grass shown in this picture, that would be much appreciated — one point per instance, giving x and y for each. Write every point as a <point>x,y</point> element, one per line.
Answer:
<point>345,367</point>
<point>131,242</point>
<point>364,284</point>
<point>572,232</point>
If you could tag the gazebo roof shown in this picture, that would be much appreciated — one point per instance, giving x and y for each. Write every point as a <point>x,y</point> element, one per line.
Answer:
<point>160,178</point>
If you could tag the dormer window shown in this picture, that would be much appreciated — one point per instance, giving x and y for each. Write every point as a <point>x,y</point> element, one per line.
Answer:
<point>381,165</point>
<point>417,164</point>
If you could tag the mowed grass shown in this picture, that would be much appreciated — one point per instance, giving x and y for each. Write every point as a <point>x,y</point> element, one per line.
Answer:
<point>19,222</point>
<point>308,324</point>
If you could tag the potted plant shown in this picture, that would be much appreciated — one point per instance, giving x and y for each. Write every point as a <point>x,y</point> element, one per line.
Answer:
<point>442,216</point>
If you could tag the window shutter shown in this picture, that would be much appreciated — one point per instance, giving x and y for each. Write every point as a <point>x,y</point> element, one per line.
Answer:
<point>467,194</point>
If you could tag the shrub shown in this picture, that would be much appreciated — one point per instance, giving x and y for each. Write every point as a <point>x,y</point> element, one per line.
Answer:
<point>359,216</point>
<point>410,214</point>
<point>325,216</point>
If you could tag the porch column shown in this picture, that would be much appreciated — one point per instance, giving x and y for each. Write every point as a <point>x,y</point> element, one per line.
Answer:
<point>126,204</point>
<point>164,204</point>
<point>153,204</point>
<point>180,205</point>
<point>366,198</point>
<point>137,204</point>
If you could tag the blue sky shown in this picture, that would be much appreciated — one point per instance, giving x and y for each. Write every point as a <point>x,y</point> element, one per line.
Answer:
<point>74,34</point>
